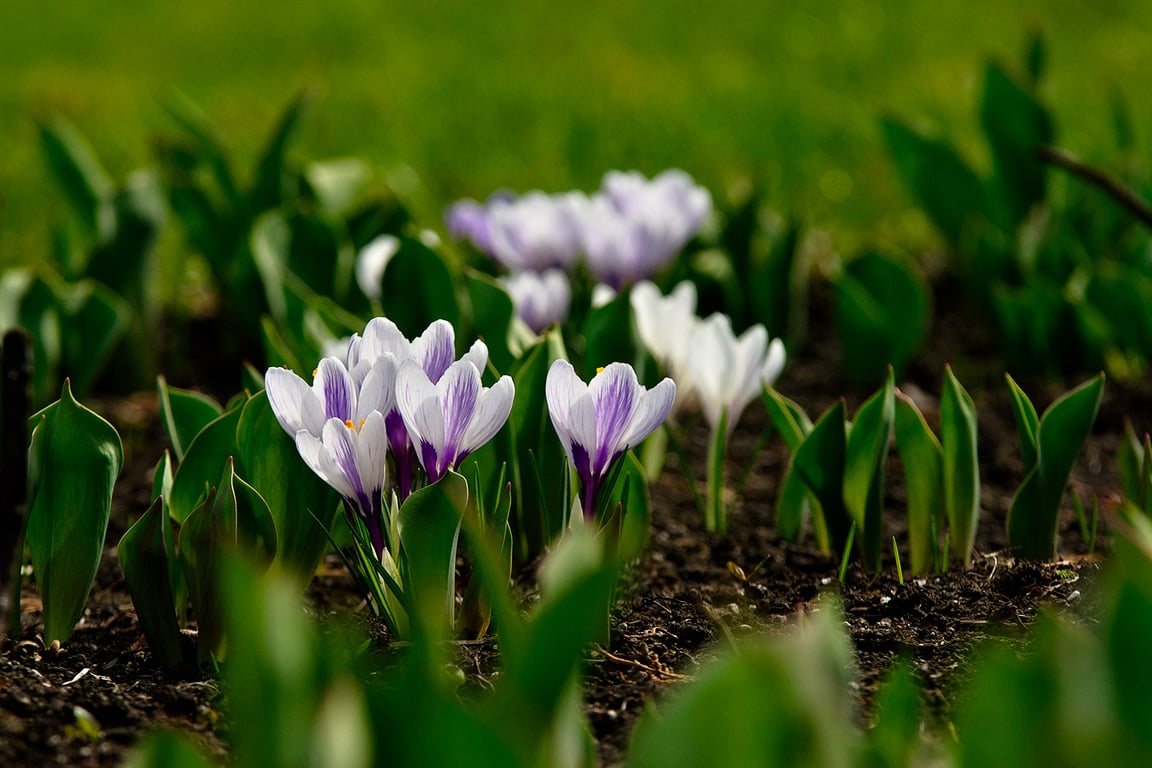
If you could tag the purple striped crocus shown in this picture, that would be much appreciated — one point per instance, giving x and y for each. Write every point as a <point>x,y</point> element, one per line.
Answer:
<point>434,351</point>
<point>339,429</point>
<point>599,421</point>
<point>451,417</point>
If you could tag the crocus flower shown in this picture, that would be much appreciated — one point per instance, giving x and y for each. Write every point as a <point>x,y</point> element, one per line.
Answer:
<point>670,208</point>
<point>540,298</point>
<point>434,351</point>
<point>371,261</point>
<point>599,421</point>
<point>339,430</point>
<point>665,325</point>
<point>534,231</point>
<point>448,419</point>
<point>728,371</point>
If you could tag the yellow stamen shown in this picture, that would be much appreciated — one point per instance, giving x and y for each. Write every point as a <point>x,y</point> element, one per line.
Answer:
<point>315,371</point>
<point>600,370</point>
<point>348,423</point>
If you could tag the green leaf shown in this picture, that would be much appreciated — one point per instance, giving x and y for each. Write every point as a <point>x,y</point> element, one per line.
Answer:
<point>185,413</point>
<point>631,492</point>
<point>231,520</point>
<point>94,319</point>
<point>418,288</point>
<point>429,530</point>
<point>1063,429</point>
<point>607,334</point>
<point>270,185</point>
<point>883,311</point>
<point>894,739</point>
<point>1130,461</point>
<point>203,461</point>
<point>773,704</point>
<point>787,417</point>
<point>946,188</point>
<point>577,587</point>
<point>922,459</point>
<point>820,462</point>
<point>492,318</point>
<point>74,459</point>
<point>867,450</point>
<point>78,170</point>
<point>961,466</point>
<point>336,183</point>
<point>269,244</point>
<point>302,505</point>
<point>1016,126</point>
<point>144,553</point>
<point>1027,422</point>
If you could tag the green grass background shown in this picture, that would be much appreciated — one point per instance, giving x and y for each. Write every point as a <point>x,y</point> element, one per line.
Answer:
<point>520,94</point>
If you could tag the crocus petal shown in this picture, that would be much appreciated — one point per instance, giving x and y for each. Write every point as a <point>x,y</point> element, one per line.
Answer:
<point>615,392</point>
<point>419,406</point>
<point>563,389</point>
<point>335,389</point>
<point>458,392</point>
<point>751,351</point>
<point>435,349</point>
<point>714,343</point>
<point>492,409</point>
<point>381,336</point>
<point>293,402</point>
<point>477,355</point>
<point>371,262</point>
<point>651,411</point>
<point>774,364</point>
<point>378,390</point>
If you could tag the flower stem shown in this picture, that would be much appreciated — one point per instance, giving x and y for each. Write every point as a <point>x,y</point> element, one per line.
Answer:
<point>715,513</point>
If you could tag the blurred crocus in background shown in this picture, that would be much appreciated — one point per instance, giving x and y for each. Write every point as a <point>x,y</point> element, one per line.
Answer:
<point>542,299</point>
<point>371,261</point>
<point>534,231</point>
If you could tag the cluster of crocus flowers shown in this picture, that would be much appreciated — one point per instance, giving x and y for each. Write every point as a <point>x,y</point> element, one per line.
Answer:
<point>720,371</point>
<point>628,230</point>
<point>389,401</point>
<point>598,422</point>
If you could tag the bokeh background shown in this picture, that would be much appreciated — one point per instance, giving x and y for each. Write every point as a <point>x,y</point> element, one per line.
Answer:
<point>522,94</point>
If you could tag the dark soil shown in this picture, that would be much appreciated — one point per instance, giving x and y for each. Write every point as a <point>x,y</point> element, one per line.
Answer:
<point>691,596</point>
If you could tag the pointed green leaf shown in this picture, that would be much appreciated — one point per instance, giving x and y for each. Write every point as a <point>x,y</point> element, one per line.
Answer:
<point>1016,125</point>
<point>302,505</point>
<point>820,461</point>
<point>1064,427</point>
<point>947,189</point>
<point>185,413</point>
<point>1130,461</point>
<point>1027,422</point>
<point>867,450</point>
<point>145,555</point>
<point>74,459</point>
<point>429,531</point>
<point>961,466</point>
<point>922,459</point>
<point>787,417</point>
<point>631,492</point>
<point>88,186</point>
<point>203,461</point>
<point>271,176</point>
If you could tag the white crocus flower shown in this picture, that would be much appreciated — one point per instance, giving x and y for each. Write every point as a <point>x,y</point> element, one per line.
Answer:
<point>727,371</point>
<point>371,262</point>
<point>665,325</point>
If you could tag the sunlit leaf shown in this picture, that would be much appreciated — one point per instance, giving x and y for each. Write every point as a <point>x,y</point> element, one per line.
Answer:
<point>922,459</point>
<point>820,461</point>
<point>429,530</point>
<point>302,505</point>
<point>74,459</point>
<point>144,553</point>
<point>185,413</point>
<point>961,466</point>
<point>864,464</point>
<point>203,461</point>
